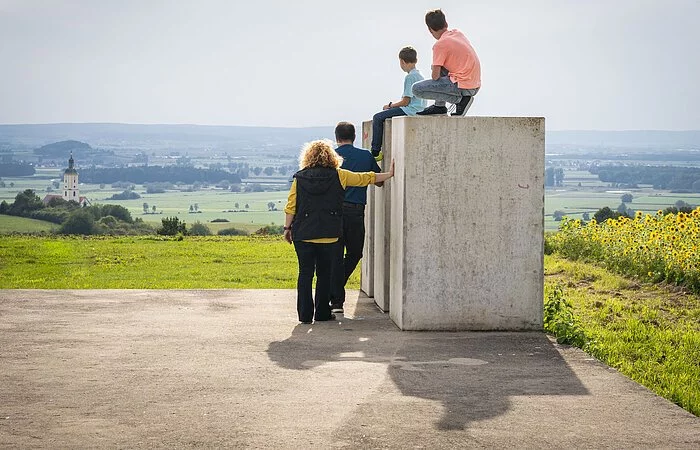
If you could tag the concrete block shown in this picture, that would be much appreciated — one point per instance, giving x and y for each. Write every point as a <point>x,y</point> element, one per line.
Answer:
<point>467,225</point>
<point>367,263</point>
<point>382,228</point>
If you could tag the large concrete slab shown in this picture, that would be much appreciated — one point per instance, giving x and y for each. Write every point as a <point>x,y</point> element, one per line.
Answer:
<point>216,368</point>
<point>382,229</point>
<point>467,223</point>
<point>367,263</point>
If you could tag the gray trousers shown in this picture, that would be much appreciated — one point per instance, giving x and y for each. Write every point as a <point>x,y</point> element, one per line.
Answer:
<point>441,90</point>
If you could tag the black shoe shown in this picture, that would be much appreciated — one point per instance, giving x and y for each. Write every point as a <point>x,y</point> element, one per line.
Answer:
<point>331,317</point>
<point>463,106</point>
<point>433,111</point>
<point>337,308</point>
<point>306,322</point>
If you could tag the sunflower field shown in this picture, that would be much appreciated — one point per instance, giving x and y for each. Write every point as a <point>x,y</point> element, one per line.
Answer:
<point>651,247</point>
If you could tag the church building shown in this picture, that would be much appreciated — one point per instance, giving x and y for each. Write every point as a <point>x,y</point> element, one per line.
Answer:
<point>70,186</point>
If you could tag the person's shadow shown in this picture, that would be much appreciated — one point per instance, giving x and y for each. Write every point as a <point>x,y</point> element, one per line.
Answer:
<point>473,375</point>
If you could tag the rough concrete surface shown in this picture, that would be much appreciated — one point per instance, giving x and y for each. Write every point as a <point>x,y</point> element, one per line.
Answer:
<point>225,368</point>
<point>467,229</point>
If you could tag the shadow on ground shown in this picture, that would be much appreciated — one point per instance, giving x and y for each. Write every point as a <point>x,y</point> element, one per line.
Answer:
<point>472,375</point>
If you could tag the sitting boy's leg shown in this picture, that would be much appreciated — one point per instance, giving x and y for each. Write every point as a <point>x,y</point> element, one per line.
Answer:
<point>378,127</point>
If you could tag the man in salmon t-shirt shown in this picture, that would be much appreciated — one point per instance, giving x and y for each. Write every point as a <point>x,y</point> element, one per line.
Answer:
<point>456,71</point>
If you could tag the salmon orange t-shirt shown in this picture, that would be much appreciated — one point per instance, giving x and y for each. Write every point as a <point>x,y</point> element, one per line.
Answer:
<point>454,52</point>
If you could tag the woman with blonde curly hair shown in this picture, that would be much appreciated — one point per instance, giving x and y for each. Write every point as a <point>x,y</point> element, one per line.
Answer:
<point>314,215</point>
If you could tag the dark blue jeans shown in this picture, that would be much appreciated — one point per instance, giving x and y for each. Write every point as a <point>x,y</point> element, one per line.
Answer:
<point>378,127</point>
<point>314,258</point>
<point>348,251</point>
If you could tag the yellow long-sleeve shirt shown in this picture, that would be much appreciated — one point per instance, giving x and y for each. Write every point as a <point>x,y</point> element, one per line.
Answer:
<point>347,178</point>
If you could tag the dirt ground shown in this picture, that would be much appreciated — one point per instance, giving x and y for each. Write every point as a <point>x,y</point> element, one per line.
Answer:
<point>217,368</point>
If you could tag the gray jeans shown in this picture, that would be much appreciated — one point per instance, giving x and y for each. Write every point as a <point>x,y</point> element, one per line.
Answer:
<point>441,90</point>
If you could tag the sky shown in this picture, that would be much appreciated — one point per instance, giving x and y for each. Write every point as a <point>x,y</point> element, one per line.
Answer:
<point>581,64</point>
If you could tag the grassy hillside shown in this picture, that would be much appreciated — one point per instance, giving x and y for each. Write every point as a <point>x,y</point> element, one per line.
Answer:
<point>12,224</point>
<point>148,262</point>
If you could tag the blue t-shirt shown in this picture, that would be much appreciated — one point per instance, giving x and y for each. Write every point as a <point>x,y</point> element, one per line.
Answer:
<point>416,104</point>
<point>357,160</point>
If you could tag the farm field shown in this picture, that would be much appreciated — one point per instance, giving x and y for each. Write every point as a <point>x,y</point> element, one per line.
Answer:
<point>216,203</point>
<point>575,202</point>
<point>212,203</point>
<point>10,224</point>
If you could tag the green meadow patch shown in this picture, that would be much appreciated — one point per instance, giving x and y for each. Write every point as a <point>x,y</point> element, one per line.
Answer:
<point>148,262</point>
<point>13,224</point>
<point>651,333</point>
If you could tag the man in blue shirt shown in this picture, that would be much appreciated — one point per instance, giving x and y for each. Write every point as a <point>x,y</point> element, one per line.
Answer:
<point>349,247</point>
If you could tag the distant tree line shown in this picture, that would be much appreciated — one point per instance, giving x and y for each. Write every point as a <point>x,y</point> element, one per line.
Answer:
<point>150,174</point>
<point>74,219</point>
<point>554,176</point>
<point>660,177</point>
<point>16,170</point>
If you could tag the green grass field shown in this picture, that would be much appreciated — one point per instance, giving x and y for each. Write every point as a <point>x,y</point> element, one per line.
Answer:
<point>145,262</point>
<point>11,224</point>
<point>648,332</point>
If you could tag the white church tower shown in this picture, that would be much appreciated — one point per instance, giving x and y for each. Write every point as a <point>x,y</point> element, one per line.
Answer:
<point>70,182</point>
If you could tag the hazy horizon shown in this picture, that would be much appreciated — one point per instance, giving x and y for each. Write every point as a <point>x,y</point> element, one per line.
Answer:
<point>689,130</point>
<point>596,65</point>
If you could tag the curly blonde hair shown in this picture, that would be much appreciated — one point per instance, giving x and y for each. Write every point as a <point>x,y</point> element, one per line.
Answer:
<point>319,154</point>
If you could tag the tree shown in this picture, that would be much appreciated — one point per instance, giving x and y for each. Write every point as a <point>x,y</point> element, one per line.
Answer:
<point>78,222</point>
<point>257,170</point>
<point>231,232</point>
<point>549,176</point>
<point>56,184</point>
<point>236,205</point>
<point>126,195</point>
<point>191,208</point>
<point>270,229</point>
<point>559,176</point>
<point>622,208</point>
<point>271,206</point>
<point>681,204</point>
<point>626,198</point>
<point>153,208</point>
<point>172,226</point>
<point>199,229</point>
<point>254,187</point>
<point>12,184</point>
<point>145,207</point>
<point>269,171</point>
<point>606,213</point>
<point>247,206</point>
<point>558,215</point>
<point>116,211</point>
<point>102,185</point>
<point>25,202</point>
<point>4,207</point>
<point>196,207</point>
<point>586,216</point>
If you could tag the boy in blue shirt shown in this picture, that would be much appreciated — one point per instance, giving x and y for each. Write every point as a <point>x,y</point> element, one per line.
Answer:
<point>409,104</point>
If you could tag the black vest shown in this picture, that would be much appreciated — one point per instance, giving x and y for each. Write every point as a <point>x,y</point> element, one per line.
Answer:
<point>319,212</point>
